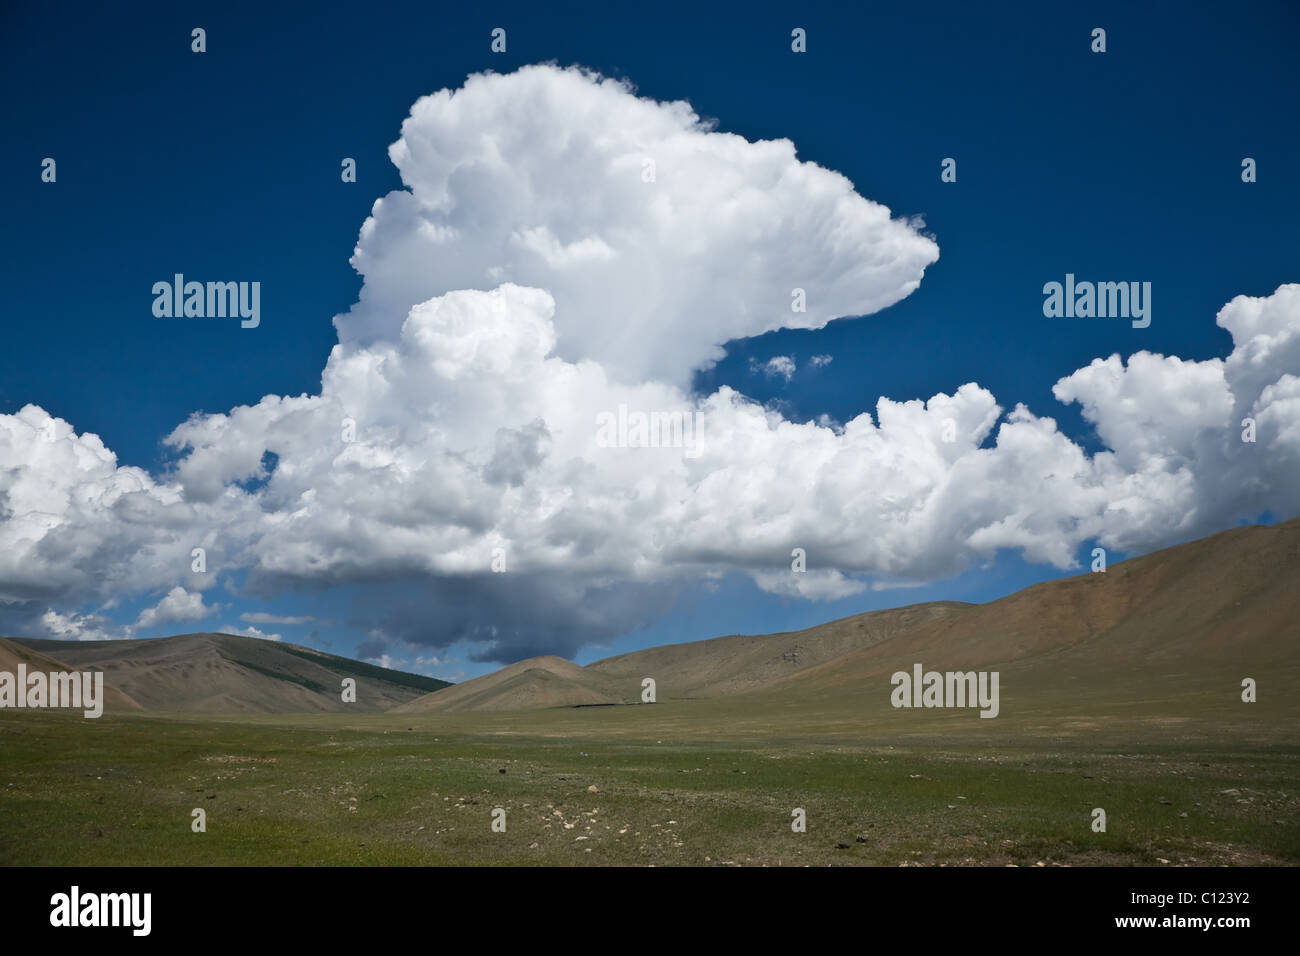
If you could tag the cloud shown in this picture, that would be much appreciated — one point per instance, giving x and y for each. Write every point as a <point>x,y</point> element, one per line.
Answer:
<point>528,281</point>
<point>821,361</point>
<point>597,540</point>
<point>778,366</point>
<point>543,178</point>
<point>74,627</point>
<point>1175,428</point>
<point>260,617</point>
<point>178,605</point>
<point>74,522</point>
<point>249,632</point>
<point>810,585</point>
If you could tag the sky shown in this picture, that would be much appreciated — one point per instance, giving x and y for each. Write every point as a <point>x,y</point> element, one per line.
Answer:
<point>616,210</point>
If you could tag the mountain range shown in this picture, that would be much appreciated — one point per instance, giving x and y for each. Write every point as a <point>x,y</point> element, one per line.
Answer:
<point>1193,618</point>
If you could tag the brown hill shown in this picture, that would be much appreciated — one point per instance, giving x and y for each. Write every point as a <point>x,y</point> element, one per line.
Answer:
<point>525,685</point>
<point>1208,612</point>
<point>223,673</point>
<point>740,663</point>
<point>1173,622</point>
<point>12,654</point>
<point>1193,618</point>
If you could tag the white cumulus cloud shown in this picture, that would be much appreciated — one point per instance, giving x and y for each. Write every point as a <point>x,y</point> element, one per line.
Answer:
<point>778,366</point>
<point>658,237</point>
<point>177,605</point>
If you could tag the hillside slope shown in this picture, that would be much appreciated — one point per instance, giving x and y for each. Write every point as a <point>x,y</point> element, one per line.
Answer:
<point>740,663</point>
<point>525,685</point>
<point>1174,622</point>
<point>222,673</point>
<point>1189,620</point>
<point>12,654</point>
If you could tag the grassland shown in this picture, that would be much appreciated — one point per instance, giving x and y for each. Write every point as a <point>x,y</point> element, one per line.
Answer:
<point>704,782</point>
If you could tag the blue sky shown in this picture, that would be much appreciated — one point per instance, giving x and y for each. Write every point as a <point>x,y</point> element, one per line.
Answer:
<point>1117,166</point>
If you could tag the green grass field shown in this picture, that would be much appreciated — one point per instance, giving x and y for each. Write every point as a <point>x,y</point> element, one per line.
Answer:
<point>678,783</point>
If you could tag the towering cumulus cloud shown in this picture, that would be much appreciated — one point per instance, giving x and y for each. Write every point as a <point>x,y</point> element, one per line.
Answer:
<point>565,254</point>
<point>658,238</point>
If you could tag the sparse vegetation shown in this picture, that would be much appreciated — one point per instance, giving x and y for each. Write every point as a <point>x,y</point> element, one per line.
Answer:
<point>1120,691</point>
<point>694,783</point>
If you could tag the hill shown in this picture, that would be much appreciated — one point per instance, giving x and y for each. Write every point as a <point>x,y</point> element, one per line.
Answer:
<point>1180,621</point>
<point>12,654</point>
<point>525,685</point>
<point>1188,619</point>
<point>223,673</point>
<point>737,664</point>
<point>1197,617</point>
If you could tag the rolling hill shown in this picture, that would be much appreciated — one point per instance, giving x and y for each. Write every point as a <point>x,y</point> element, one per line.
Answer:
<point>223,673</point>
<point>12,654</point>
<point>525,685</point>
<point>1191,619</point>
<point>1194,618</point>
<point>1181,621</point>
